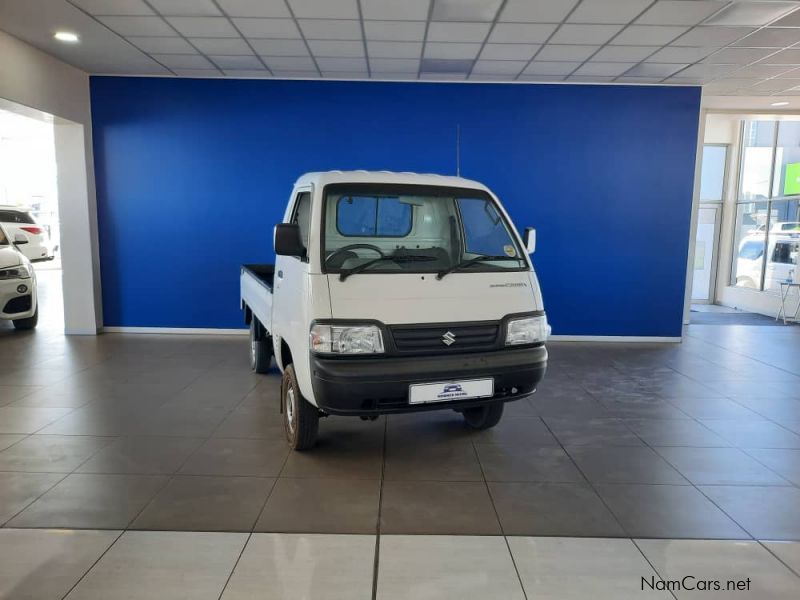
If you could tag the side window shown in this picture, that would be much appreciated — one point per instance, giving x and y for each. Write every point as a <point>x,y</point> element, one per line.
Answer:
<point>302,215</point>
<point>362,216</point>
<point>752,250</point>
<point>785,253</point>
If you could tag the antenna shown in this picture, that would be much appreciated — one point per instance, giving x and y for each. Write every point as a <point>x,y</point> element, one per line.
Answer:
<point>458,150</point>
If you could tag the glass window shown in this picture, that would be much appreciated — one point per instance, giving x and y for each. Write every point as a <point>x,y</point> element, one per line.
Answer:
<point>786,181</point>
<point>364,216</point>
<point>410,228</point>
<point>751,225</point>
<point>712,173</point>
<point>302,215</point>
<point>757,152</point>
<point>3,239</point>
<point>15,216</point>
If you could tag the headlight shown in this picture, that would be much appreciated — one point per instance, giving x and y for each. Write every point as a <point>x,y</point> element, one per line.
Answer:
<point>346,339</point>
<point>527,330</point>
<point>18,272</point>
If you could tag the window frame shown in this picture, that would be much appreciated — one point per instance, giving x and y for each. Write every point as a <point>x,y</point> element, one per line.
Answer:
<point>377,213</point>
<point>296,209</point>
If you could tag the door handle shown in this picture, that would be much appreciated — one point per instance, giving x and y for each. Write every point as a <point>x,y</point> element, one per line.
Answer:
<point>280,274</point>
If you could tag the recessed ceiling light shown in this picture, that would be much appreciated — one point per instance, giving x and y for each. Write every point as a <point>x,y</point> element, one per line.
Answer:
<point>66,36</point>
<point>779,104</point>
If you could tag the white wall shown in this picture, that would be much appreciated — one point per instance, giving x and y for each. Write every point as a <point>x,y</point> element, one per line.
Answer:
<point>36,80</point>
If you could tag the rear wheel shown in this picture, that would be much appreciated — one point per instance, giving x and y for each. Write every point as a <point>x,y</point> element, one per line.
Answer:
<point>28,323</point>
<point>260,348</point>
<point>300,417</point>
<point>484,417</point>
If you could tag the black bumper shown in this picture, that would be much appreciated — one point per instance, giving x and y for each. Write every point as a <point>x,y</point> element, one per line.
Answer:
<point>373,386</point>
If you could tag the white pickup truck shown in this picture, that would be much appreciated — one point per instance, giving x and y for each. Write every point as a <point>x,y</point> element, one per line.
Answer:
<point>392,293</point>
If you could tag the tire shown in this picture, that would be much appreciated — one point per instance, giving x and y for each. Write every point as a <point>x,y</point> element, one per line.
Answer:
<point>300,417</point>
<point>484,417</point>
<point>29,323</point>
<point>260,349</point>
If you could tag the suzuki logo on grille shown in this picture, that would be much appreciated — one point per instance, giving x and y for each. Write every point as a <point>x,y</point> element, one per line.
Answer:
<point>448,338</point>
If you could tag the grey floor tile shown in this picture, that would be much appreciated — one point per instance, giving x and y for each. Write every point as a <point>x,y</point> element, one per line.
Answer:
<point>713,408</point>
<point>18,490</point>
<point>754,434</point>
<point>426,567</point>
<point>675,432</point>
<point>787,552</point>
<point>39,564</point>
<point>784,461</point>
<point>592,432</point>
<point>563,568</point>
<point>766,512</point>
<point>28,419</point>
<point>203,503</point>
<point>778,409</point>
<point>667,511</point>
<point>321,506</point>
<point>51,453</point>
<point>351,457</point>
<point>520,431</point>
<point>253,421</point>
<point>242,457</point>
<point>616,464</point>
<point>150,455</point>
<point>428,507</point>
<point>9,439</point>
<point>13,393</point>
<point>83,501</point>
<point>432,462</point>
<point>723,561</point>
<point>714,466</point>
<point>275,566</point>
<point>513,463</point>
<point>563,509</point>
<point>143,565</point>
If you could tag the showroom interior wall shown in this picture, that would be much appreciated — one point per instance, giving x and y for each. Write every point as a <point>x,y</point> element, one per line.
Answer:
<point>32,82</point>
<point>192,175</point>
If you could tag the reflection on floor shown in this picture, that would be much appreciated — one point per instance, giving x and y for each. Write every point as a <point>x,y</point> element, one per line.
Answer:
<point>651,449</point>
<point>713,314</point>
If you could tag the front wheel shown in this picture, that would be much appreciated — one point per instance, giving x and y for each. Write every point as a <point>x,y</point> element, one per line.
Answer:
<point>300,417</point>
<point>260,348</point>
<point>28,323</point>
<point>484,417</point>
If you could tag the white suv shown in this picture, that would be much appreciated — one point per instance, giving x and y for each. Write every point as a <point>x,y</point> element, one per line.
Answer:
<point>18,301</point>
<point>20,222</point>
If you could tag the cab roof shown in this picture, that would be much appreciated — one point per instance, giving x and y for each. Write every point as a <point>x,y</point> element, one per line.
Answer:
<point>321,178</point>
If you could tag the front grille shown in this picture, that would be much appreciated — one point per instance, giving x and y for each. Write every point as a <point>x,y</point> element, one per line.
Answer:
<point>18,305</point>
<point>431,339</point>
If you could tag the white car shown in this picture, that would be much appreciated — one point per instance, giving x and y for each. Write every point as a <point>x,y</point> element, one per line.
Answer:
<point>18,301</point>
<point>782,259</point>
<point>20,222</point>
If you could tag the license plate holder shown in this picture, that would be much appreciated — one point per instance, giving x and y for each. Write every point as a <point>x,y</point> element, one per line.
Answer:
<point>450,391</point>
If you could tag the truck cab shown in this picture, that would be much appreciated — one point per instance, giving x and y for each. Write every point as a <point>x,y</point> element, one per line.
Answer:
<point>396,292</point>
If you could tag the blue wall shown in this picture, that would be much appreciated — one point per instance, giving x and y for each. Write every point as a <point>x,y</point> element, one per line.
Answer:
<point>193,174</point>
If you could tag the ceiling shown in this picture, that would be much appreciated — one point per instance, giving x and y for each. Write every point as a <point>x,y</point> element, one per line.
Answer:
<point>749,48</point>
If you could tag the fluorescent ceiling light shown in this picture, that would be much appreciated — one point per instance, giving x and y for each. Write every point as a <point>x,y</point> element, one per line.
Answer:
<point>779,104</point>
<point>66,36</point>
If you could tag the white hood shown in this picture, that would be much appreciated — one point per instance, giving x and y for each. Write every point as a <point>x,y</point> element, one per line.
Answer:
<point>9,257</point>
<point>421,298</point>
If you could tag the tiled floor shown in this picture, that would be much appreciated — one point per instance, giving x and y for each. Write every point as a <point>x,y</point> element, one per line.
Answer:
<point>692,440</point>
<point>82,565</point>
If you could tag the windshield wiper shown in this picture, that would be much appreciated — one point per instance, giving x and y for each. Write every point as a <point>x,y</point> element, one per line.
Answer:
<point>401,258</point>
<point>472,261</point>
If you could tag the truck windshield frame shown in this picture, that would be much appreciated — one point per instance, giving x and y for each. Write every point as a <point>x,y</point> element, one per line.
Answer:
<point>394,244</point>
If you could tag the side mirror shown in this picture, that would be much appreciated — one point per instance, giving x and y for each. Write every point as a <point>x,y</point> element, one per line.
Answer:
<point>20,239</point>
<point>530,239</point>
<point>287,240</point>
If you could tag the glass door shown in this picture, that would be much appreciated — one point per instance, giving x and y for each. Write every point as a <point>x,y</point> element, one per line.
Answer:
<point>712,190</point>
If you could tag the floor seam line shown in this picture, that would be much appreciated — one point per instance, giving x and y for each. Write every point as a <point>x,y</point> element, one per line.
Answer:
<point>778,558</point>
<point>92,566</point>
<point>652,566</point>
<point>235,564</point>
<point>376,560</point>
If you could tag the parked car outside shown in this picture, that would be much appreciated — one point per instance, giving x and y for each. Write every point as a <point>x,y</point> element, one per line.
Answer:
<point>18,299</point>
<point>19,221</point>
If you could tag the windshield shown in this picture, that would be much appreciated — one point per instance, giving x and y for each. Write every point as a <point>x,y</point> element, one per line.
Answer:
<point>418,229</point>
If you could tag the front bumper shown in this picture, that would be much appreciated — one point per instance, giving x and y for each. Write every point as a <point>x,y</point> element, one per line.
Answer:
<point>372,386</point>
<point>15,304</point>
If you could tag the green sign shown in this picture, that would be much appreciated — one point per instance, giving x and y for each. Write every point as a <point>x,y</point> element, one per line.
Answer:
<point>791,181</point>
